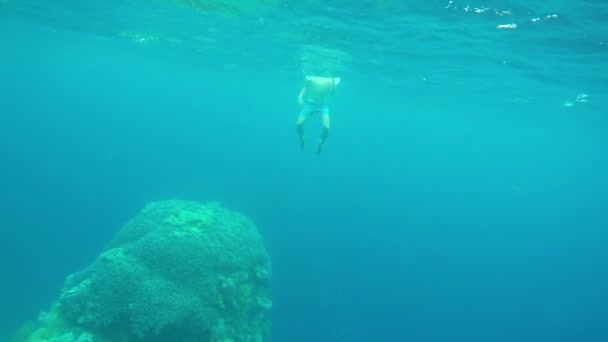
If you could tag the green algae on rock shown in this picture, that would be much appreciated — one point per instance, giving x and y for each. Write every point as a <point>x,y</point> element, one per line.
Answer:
<point>178,271</point>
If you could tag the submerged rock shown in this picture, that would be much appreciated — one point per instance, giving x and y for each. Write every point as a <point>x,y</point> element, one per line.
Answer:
<point>179,271</point>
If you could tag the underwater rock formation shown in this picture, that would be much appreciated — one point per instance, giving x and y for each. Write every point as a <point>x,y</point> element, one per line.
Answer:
<point>179,271</point>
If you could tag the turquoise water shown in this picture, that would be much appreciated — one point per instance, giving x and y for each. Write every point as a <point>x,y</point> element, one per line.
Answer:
<point>461,194</point>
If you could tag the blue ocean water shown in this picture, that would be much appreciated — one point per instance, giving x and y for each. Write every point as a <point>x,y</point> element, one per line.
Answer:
<point>461,195</point>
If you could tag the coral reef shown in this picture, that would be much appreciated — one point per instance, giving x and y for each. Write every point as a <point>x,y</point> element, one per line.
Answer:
<point>179,271</point>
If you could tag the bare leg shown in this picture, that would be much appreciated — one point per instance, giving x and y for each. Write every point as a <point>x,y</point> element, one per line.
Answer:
<point>300,129</point>
<point>325,131</point>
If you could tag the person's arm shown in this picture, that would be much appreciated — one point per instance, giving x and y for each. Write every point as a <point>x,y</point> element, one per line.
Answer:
<point>301,96</point>
<point>303,92</point>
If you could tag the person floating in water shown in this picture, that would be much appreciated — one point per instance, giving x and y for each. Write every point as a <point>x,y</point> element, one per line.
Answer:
<point>313,99</point>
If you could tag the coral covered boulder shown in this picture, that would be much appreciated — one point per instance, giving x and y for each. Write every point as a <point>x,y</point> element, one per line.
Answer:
<point>179,271</point>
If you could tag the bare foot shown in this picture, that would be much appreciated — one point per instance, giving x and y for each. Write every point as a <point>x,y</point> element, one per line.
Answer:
<point>319,147</point>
